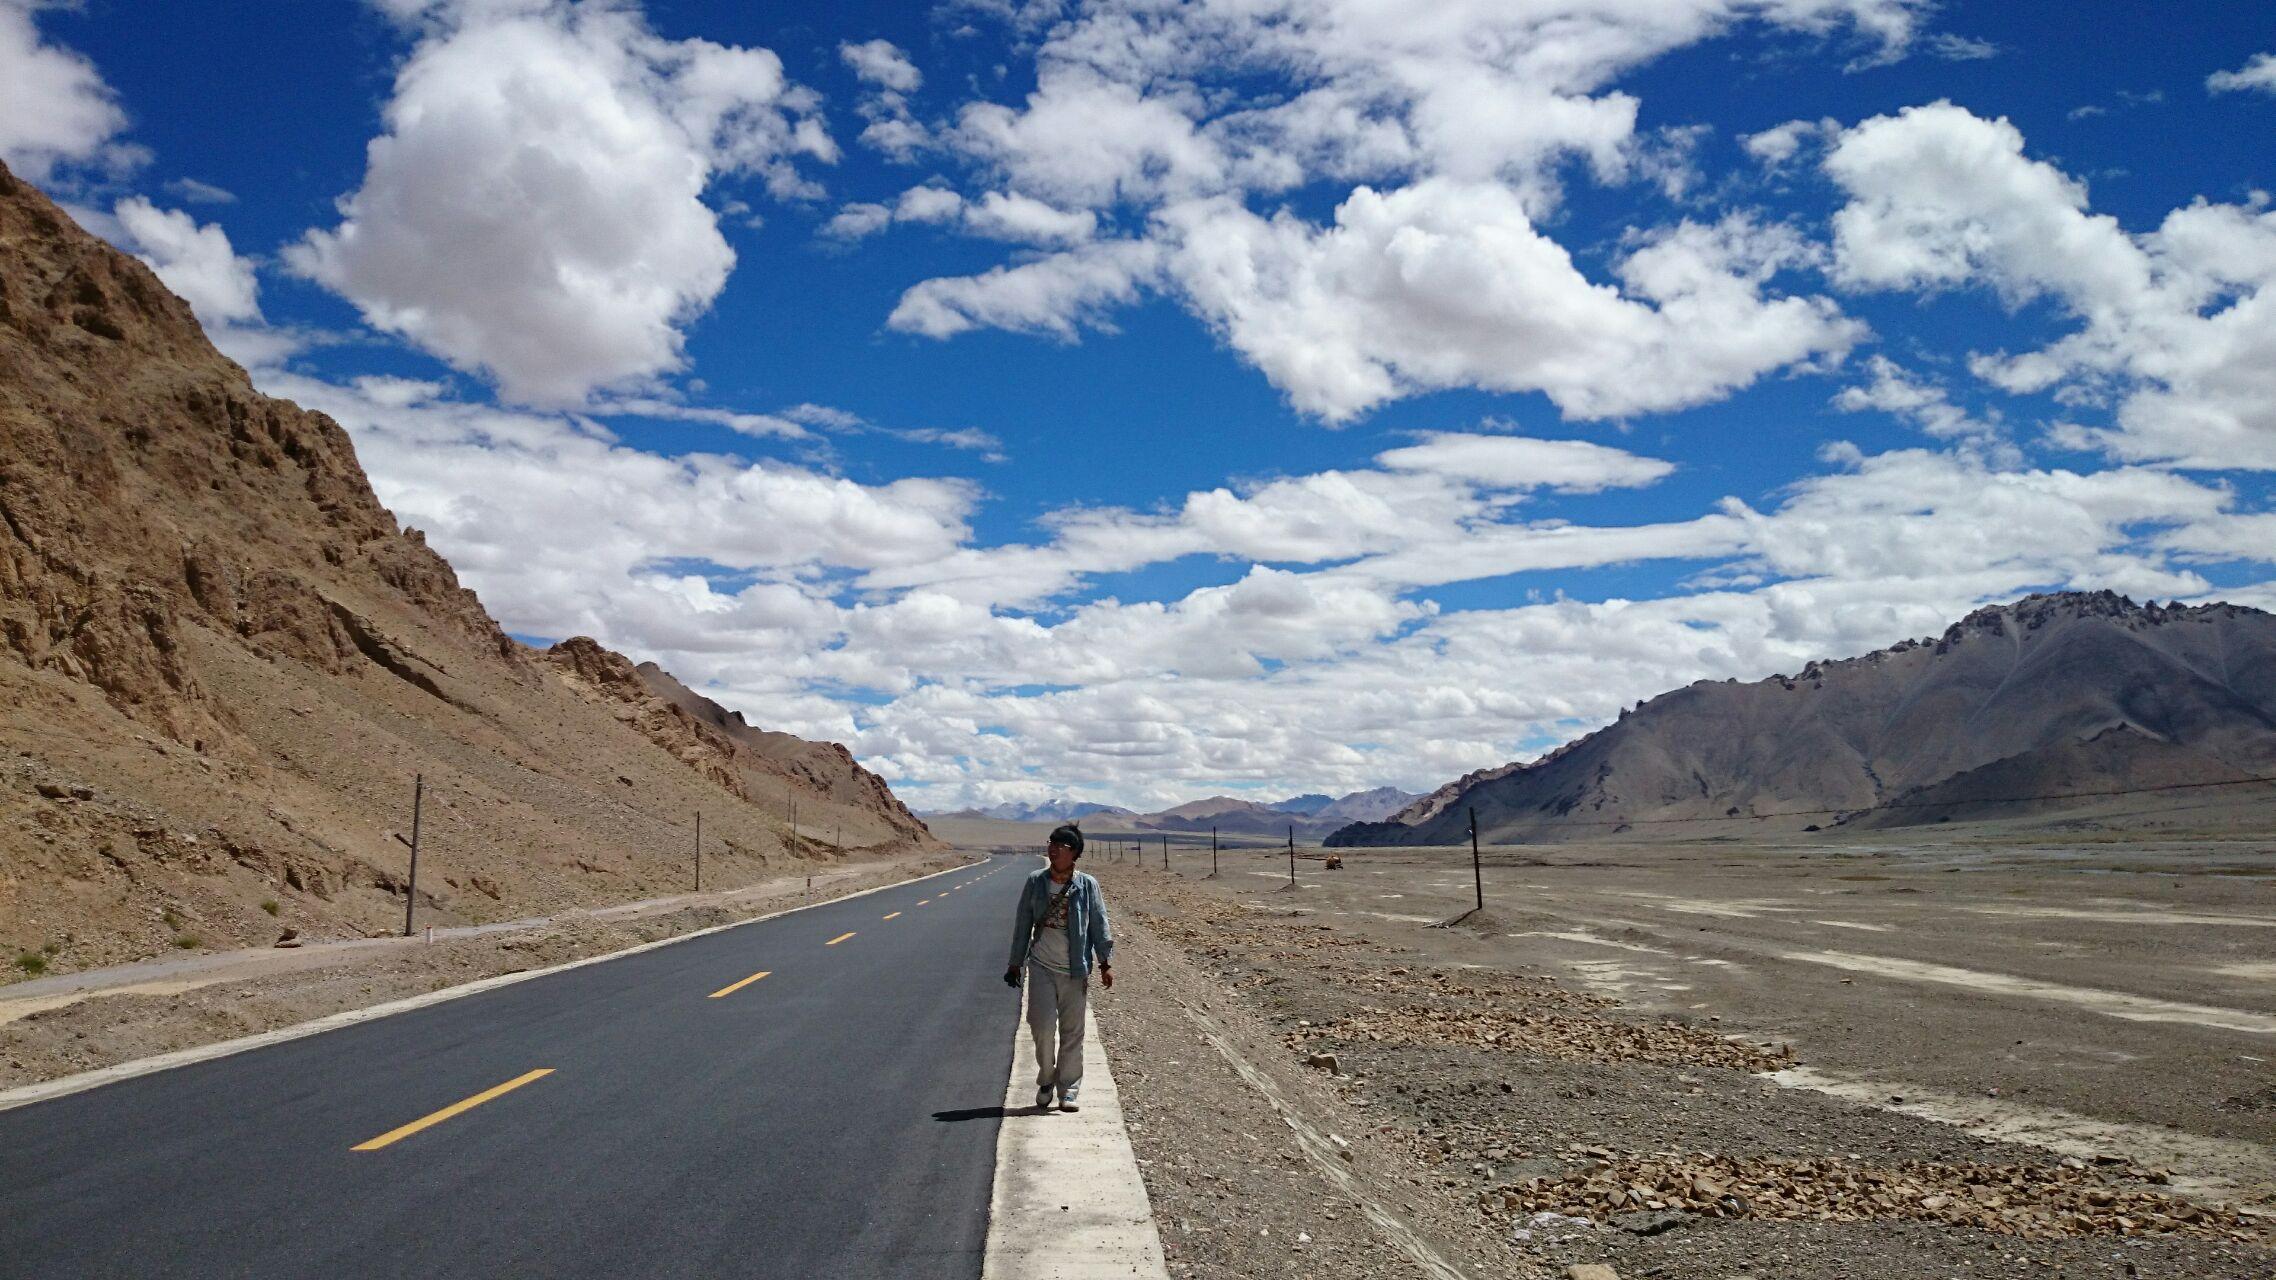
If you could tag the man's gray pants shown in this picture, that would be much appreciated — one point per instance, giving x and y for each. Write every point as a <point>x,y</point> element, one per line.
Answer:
<point>1055,1005</point>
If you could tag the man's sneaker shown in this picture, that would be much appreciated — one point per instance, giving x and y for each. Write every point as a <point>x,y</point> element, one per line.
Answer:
<point>1043,1098</point>
<point>1067,1100</point>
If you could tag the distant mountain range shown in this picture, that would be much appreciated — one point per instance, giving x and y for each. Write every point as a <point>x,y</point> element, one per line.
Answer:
<point>2052,695</point>
<point>1308,816</point>
<point>1366,806</point>
<point>1047,811</point>
<point>1311,816</point>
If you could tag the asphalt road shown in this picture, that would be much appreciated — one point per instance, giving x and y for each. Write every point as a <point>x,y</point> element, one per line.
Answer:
<point>837,1117</point>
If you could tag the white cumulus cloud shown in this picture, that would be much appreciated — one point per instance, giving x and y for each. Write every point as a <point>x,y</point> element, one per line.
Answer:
<point>1894,390</point>
<point>1449,134</point>
<point>2257,75</point>
<point>1002,215</point>
<point>534,209</point>
<point>562,529</point>
<point>1054,295</point>
<point>857,221</point>
<point>1449,284</point>
<point>2177,325</point>
<point>1776,146</point>
<point>195,261</point>
<point>881,62</point>
<point>1522,462</point>
<point>55,108</point>
<point>996,215</point>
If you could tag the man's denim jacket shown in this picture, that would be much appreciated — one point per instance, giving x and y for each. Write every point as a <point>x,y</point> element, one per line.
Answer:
<point>1087,933</point>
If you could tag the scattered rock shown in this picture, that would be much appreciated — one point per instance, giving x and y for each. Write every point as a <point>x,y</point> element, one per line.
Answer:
<point>1553,1033</point>
<point>1650,1222</point>
<point>2030,1201</point>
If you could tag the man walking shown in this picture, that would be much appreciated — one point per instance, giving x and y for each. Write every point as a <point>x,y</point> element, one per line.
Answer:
<point>1059,930</point>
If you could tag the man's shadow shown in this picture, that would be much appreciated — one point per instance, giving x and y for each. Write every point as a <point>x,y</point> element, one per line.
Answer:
<point>989,1113</point>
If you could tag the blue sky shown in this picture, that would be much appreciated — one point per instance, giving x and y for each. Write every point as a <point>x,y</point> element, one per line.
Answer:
<point>1138,401</point>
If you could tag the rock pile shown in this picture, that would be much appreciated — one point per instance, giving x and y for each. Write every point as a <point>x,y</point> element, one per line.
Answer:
<point>2032,1201</point>
<point>1432,983</point>
<point>1552,1033</point>
<point>1218,932</point>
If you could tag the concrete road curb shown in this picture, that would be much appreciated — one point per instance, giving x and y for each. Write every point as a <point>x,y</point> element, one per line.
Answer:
<point>1068,1203</point>
<point>26,1095</point>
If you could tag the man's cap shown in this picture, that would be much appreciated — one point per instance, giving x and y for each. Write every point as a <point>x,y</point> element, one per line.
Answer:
<point>1070,836</point>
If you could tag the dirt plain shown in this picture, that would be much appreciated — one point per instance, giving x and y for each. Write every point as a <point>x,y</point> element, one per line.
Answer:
<point>1715,1060</point>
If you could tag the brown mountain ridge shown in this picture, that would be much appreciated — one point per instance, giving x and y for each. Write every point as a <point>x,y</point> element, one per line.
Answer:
<point>222,663</point>
<point>2046,697</point>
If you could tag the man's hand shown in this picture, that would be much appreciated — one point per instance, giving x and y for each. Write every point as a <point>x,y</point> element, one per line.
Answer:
<point>1011,976</point>
<point>1106,975</point>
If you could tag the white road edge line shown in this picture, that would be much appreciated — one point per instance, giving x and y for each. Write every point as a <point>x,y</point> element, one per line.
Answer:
<point>1327,1159</point>
<point>26,1095</point>
<point>1068,1202</point>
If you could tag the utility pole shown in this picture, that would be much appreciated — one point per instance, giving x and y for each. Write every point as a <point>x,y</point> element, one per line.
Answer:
<point>411,892</point>
<point>699,851</point>
<point>1292,857</point>
<point>1477,877</point>
<point>1165,853</point>
<point>1213,853</point>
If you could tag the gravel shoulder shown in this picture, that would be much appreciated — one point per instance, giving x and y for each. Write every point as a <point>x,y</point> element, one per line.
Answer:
<point>1520,1118</point>
<point>1234,1189</point>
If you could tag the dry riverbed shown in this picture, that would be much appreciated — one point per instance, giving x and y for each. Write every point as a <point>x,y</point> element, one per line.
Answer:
<point>1652,1067</point>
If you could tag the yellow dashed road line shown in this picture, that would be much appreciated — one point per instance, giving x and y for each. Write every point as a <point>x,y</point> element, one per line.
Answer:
<point>835,941</point>
<point>424,1122</point>
<point>733,987</point>
<point>894,914</point>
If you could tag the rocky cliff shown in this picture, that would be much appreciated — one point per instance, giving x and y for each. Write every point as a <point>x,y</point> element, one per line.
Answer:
<point>783,764</point>
<point>222,663</point>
